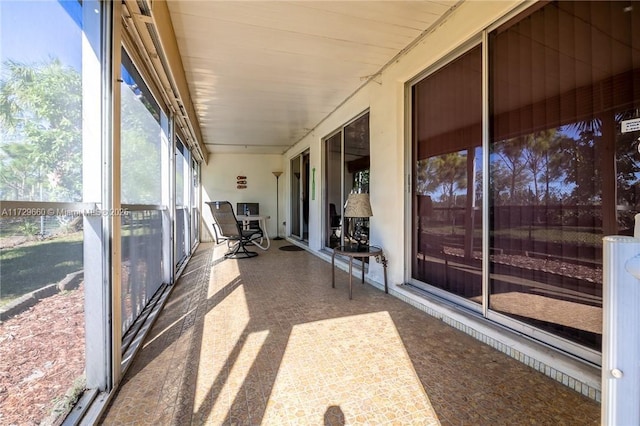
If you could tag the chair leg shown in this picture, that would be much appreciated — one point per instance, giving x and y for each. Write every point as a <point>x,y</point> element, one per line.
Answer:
<point>240,252</point>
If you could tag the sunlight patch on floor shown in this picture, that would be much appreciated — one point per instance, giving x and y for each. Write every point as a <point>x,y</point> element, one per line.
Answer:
<point>238,371</point>
<point>226,273</point>
<point>353,366</point>
<point>222,336</point>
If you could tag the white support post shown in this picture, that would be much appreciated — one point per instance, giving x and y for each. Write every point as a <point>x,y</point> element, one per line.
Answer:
<point>166,122</point>
<point>621,336</point>
<point>99,39</point>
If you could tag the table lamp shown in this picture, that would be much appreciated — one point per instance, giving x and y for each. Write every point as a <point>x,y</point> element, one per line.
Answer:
<point>358,207</point>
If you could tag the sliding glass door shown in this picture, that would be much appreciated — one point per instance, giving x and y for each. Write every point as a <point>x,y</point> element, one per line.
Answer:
<point>564,171</point>
<point>555,169</point>
<point>334,196</point>
<point>300,194</point>
<point>346,160</point>
<point>447,197</point>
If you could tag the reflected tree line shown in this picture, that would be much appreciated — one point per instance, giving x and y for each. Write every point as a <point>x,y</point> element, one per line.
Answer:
<point>41,118</point>
<point>562,168</point>
<point>41,143</point>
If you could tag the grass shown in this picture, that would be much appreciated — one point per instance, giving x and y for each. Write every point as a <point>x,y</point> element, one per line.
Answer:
<point>32,266</point>
<point>564,235</point>
<point>551,234</point>
<point>63,404</point>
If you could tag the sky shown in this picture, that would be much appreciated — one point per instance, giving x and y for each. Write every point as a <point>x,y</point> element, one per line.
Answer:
<point>36,30</point>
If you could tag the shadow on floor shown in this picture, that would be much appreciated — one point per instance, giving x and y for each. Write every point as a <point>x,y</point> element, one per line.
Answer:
<point>268,341</point>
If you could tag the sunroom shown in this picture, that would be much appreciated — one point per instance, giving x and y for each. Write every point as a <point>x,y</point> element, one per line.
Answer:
<point>496,144</point>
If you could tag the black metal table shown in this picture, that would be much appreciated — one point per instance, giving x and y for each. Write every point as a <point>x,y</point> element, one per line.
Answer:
<point>360,252</point>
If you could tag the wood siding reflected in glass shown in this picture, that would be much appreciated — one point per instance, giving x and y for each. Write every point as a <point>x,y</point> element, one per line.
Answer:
<point>562,79</point>
<point>447,170</point>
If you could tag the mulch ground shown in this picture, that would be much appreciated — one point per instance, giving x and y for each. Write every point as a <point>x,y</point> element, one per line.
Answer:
<point>41,359</point>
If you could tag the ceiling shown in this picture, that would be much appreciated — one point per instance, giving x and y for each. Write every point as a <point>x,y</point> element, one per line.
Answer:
<point>263,74</point>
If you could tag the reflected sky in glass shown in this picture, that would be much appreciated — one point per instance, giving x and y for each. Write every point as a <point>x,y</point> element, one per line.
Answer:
<point>35,31</point>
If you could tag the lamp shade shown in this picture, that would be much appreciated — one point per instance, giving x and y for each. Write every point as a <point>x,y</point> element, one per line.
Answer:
<point>358,205</point>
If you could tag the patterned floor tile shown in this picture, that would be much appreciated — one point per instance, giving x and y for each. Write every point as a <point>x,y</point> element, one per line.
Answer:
<point>267,341</point>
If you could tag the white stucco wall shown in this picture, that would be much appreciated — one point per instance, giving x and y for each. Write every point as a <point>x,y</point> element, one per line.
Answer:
<point>219,184</point>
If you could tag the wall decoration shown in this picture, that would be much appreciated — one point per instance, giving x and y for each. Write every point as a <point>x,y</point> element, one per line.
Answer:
<point>241,182</point>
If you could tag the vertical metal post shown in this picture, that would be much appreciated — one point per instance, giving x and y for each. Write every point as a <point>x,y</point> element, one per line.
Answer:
<point>112,226</point>
<point>486,264</point>
<point>100,65</point>
<point>167,125</point>
<point>621,339</point>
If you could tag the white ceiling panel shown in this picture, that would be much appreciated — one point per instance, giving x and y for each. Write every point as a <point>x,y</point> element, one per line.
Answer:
<point>262,74</point>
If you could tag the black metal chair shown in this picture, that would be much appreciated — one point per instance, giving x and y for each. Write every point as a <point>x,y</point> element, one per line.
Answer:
<point>227,228</point>
<point>335,223</point>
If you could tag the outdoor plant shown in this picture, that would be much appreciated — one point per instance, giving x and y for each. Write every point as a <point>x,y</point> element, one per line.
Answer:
<point>28,228</point>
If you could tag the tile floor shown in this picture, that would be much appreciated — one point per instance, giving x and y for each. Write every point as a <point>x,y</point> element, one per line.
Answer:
<point>267,341</point>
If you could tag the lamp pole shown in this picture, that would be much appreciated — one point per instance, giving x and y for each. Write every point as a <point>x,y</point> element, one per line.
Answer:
<point>277,175</point>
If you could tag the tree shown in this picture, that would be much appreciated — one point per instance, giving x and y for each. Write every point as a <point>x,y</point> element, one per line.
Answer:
<point>539,148</point>
<point>41,118</point>
<point>581,162</point>
<point>141,137</point>
<point>451,170</point>
<point>18,179</point>
<point>426,177</point>
<point>509,171</point>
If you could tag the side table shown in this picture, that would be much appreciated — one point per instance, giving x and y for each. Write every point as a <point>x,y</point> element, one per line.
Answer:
<point>360,252</point>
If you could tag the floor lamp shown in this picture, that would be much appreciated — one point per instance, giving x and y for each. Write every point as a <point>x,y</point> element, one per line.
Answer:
<point>277,175</point>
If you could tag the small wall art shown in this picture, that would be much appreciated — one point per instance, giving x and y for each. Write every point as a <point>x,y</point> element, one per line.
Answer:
<point>241,182</point>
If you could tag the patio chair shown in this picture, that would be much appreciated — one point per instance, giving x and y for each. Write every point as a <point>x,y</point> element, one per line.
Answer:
<point>335,223</point>
<point>227,228</point>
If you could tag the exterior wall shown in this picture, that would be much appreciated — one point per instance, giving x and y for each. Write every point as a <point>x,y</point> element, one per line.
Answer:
<point>219,183</point>
<point>384,96</point>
